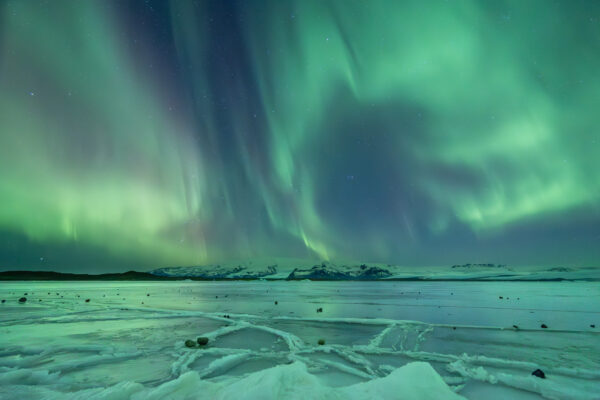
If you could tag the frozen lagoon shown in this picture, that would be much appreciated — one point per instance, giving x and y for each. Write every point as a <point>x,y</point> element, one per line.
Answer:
<point>388,340</point>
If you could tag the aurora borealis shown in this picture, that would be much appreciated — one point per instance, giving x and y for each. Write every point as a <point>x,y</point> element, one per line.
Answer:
<point>138,134</point>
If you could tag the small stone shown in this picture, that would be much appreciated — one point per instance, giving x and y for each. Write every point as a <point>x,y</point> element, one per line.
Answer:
<point>544,326</point>
<point>591,326</point>
<point>4,300</point>
<point>453,328</point>
<point>22,299</point>
<point>87,300</point>
<point>202,341</point>
<point>320,309</point>
<point>190,343</point>
<point>148,294</point>
<point>276,302</point>
<point>500,297</point>
<point>515,326</point>
<point>539,373</point>
<point>321,342</point>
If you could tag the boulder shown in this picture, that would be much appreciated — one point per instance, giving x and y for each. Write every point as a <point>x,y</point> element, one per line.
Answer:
<point>539,373</point>
<point>22,299</point>
<point>544,326</point>
<point>202,341</point>
<point>321,342</point>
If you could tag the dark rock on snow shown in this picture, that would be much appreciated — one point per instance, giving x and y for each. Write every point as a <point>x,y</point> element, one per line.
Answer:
<point>539,373</point>
<point>202,341</point>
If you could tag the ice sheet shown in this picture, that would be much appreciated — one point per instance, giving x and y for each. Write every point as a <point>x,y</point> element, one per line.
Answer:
<point>381,339</point>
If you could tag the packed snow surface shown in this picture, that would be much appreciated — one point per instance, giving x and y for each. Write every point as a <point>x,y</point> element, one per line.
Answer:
<point>382,340</point>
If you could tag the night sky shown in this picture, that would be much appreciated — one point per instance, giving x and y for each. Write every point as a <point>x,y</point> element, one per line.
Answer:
<point>140,134</point>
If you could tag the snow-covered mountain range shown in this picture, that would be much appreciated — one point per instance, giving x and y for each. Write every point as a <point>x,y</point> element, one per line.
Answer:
<point>299,270</point>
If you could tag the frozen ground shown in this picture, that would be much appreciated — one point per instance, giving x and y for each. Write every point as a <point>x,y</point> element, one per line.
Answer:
<point>388,340</point>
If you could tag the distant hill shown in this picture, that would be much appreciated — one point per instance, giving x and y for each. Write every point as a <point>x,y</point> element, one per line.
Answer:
<point>60,276</point>
<point>479,266</point>
<point>328,272</point>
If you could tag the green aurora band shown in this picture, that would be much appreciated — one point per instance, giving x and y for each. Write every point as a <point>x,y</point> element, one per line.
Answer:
<point>403,132</point>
